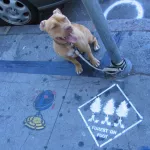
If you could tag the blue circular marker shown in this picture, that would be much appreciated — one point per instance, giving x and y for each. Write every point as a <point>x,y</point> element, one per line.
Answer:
<point>44,100</point>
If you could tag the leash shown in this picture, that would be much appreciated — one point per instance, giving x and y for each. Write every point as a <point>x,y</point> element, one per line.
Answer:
<point>112,70</point>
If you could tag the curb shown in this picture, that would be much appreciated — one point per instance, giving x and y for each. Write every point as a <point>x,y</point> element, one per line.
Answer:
<point>4,30</point>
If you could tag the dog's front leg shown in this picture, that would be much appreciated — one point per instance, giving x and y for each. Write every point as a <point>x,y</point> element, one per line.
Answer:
<point>78,66</point>
<point>95,62</point>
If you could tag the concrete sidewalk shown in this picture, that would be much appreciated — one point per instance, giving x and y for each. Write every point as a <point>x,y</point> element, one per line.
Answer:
<point>65,129</point>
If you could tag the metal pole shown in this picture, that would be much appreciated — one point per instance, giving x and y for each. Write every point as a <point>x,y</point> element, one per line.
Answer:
<point>95,12</point>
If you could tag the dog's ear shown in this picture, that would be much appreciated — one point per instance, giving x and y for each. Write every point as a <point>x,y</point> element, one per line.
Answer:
<point>42,25</point>
<point>57,11</point>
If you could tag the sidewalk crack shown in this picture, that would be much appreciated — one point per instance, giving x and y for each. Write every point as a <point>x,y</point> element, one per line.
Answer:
<point>46,146</point>
<point>24,141</point>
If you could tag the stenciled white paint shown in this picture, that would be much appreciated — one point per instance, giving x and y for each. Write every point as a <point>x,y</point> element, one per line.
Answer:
<point>105,130</point>
<point>122,111</point>
<point>141,117</point>
<point>88,127</point>
<point>109,109</point>
<point>95,108</point>
<point>138,6</point>
<point>97,96</point>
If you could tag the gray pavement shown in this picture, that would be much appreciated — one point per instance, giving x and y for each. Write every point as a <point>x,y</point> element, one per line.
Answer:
<point>65,129</point>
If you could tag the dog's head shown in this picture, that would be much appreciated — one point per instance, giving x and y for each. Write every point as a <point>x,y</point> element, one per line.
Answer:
<point>59,28</point>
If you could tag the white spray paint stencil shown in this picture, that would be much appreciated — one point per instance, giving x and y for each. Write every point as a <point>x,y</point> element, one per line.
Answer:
<point>109,114</point>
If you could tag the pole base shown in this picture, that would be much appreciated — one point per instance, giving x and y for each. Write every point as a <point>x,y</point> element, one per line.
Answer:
<point>127,70</point>
<point>106,62</point>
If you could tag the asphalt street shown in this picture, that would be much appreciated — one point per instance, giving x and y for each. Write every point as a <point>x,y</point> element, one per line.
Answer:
<point>75,10</point>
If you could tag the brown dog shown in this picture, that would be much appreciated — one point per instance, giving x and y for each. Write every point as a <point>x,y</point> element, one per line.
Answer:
<point>64,34</point>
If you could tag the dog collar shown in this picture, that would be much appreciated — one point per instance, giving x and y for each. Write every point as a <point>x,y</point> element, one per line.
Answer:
<point>63,44</point>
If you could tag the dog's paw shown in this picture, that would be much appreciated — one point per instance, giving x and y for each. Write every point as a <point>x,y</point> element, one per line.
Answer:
<point>79,69</point>
<point>95,62</point>
<point>96,48</point>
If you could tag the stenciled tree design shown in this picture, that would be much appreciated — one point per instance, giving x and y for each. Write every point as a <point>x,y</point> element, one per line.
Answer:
<point>109,110</point>
<point>95,108</point>
<point>122,111</point>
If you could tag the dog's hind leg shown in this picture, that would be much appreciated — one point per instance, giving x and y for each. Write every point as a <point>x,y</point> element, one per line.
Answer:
<point>94,41</point>
<point>96,45</point>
